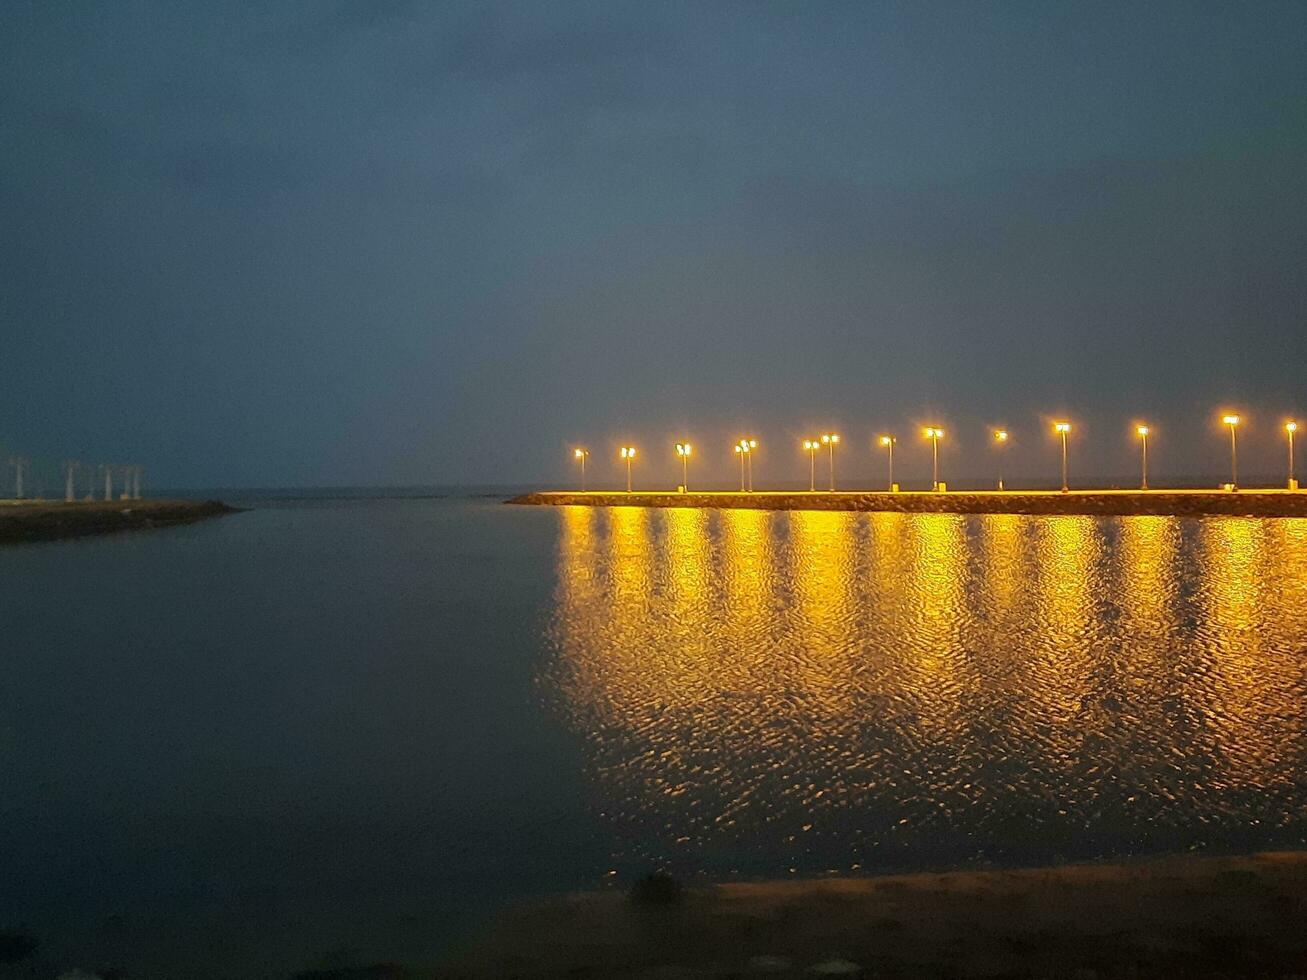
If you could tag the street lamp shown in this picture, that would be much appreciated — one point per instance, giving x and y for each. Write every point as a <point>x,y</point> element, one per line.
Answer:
<point>830,439</point>
<point>628,454</point>
<point>1290,428</point>
<point>581,455</point>
<point>683,450</point>
<point>812,445</point>
<point>1062,428</point>
<point>1000,440</point>
<point>744,448</point>
<point>888,443</point>
<point>1143,432</point>
<point>1233,422</point>
<point>934,435</point>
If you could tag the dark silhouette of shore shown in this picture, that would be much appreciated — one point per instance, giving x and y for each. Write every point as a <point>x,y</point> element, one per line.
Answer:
<point>51,520</point>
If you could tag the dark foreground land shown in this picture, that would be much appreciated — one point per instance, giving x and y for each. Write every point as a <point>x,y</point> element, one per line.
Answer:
<point>1174,917</point>
<point>48,520</point>
<point>1104,503</point>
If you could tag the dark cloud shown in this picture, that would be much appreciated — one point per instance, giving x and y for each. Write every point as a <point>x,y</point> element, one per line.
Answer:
<point>399,241</point>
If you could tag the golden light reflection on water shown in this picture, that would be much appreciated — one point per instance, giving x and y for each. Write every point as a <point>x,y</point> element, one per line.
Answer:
<point>812,690</point>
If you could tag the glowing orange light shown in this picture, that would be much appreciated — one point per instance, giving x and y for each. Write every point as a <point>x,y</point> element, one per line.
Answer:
<point>1142,430</point>
<point>1230,419</point>
<point>1000,435</point>
<point>1061,426</point>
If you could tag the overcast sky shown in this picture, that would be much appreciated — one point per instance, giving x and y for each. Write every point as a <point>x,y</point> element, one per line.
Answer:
<point>364,243</point>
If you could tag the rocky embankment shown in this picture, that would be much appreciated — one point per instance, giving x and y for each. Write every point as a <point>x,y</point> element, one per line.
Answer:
<point>49,520</point>
<point>1107,503</point>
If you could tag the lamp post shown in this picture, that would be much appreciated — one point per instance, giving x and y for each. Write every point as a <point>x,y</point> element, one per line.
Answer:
<point>1000,440</point>
<point>683,450</point>
<point>812,445</point>
<point>1233,422</point>
<point>934,435</point>
<point>829,440</point>
<point>1062,428</point>
<point>1290,428</point>
<point>888,443</point>
<point>581,455</point>
<point>745,448</point>
<point>628,454</point>
<point>1143,431</point>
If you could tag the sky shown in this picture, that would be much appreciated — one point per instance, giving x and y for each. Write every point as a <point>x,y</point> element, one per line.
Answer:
<point>329,243</point>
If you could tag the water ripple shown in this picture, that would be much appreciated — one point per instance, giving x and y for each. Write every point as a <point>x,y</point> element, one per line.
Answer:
<point>764,692</point>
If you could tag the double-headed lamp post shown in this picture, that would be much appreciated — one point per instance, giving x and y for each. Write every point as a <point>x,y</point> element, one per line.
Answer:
<point>683,449</point>
<point>1000,443</point>
<point>811,446</point>
<point>829,440</point>
<point>628,454</point>
<point>1062,429</point>
<point>888,443</point>
<point>1143,431</point>
<point>581,455</point>
<point>1233,422</point>
<point>934,434</point>
<point>744,449</point>
<point>1290,428</point>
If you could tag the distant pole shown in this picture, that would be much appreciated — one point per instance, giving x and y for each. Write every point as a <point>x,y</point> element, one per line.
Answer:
<point>1000,440</point>
<point>829,440</point>
<point>1062,428</point>
<point>810,446</point>
<point>934,433</point>
<point>70,467</point>
<point>1143,431</point>
<point>740,452</point>
<point>1233,422</point>
<point>683,449</point>
<point>581,454</point>
<point>108,481</point>
<point>628,454</point>
<point>888,443</point>
<point>1291,428</point>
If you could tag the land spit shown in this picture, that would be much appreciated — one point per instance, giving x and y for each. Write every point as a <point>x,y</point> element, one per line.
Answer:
<point>1177,917</point>
<point>49,520</point>
<point>1097,503</point>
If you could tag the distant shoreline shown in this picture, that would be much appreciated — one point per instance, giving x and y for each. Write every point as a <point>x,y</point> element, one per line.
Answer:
<point>1094,503</point>
<point>45,520</point>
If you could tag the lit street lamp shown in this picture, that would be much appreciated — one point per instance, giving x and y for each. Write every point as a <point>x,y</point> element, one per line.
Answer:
<point>812,445</point>
<point>1142,431</point>
<point>934,435</point>
<point>628,454</point>
<point>1062,428</point>
<point>1233,422</point>
<point>683,450</point>
<point>1290,428</point>
<point>745,448</point>
<point>581,455</point>
<point>830,439</point>
<point>1000,441</point>
<point>888,443</point>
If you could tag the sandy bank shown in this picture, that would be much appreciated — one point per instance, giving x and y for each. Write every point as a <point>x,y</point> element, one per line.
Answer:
<point>1105,503</point>
<point>1174,917</point>
<point>48,520</point>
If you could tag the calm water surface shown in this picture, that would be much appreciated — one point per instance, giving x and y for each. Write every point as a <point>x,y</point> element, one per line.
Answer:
<point>363,725</point>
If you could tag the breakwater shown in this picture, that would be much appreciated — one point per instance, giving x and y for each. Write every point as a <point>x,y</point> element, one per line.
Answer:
<point>50,520</point>
<point>1104,503</point>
